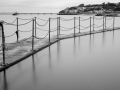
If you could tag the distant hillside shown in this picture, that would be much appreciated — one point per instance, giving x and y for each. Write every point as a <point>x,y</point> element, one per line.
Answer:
<point>92,9</point>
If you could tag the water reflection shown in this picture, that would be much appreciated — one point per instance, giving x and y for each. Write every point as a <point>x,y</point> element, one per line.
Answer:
<point>93,40</point>
<point>58,50</point>
<point>34,69</point>
<point>19,66</point>
<point>50,63</point>
<point>103,39</point>
<point>79,42</point>
<point>90,46</point>
<point>113,37</point>
<point>74,46</point>
<point>5,85</point>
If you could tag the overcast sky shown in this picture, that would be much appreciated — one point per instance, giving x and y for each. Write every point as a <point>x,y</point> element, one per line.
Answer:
<point>43,5</point>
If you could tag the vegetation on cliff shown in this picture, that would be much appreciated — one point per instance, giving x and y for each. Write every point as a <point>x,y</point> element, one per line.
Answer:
<point>92,9</point>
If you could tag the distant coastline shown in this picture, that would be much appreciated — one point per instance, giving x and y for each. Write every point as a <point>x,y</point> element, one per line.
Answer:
<point>104,9</point>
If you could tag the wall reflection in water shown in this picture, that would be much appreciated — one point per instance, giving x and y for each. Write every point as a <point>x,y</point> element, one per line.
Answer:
<point>34,70</point>
<point>58,51</point>
<point>3,80</point>
<point>74,46</point>
<point>50,61</point>
<point>91,42</point>
<point>113,37</point>
<point>103,39</point>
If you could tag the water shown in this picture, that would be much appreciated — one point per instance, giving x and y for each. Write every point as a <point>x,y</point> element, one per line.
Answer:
<point>88,62</point>
<point>81,63</point>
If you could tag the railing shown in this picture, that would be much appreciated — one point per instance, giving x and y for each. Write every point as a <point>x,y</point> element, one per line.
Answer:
<point>58,28</point>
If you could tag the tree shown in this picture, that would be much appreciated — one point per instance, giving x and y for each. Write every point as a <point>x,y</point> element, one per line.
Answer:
<point>81,5</point>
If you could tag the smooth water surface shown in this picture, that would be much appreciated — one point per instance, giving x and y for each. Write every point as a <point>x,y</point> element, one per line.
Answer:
<point>88,62</point>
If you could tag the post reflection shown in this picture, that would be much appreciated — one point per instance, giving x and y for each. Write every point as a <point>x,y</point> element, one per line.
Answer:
<point>93,40</point>
<point>19,66</point>
<point>50,63</point>
<point>74,46</point>
<point>90,46</point>
<point>58,50</point>
<point>79,42</point>
<point>113,37</point>
<point>34,69</point>
<point>5,85</point>
<point>103,39</point>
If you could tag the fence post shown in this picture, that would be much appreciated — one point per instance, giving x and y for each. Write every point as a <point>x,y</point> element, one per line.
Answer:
<point>74,26</point>
<point>3,44</point>
<point>59,25</point>
<point>49,30</point>
<point>103,23</point>
<point>93,23</point>
<point>33,35</point>
<point>90,25</point>
<point>35,26</point>
<point>79,24</point>
<point>113,22</point>
<point>17,29</point>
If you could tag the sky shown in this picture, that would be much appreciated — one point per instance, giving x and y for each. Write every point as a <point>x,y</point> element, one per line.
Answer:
<point>44,6</point>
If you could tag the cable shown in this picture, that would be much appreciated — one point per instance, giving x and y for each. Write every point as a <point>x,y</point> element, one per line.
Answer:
<point>43,37</point>
<point>24,31</point>
<point>53,30</point>
<point>98,18</point>
<point>84,27</point>
<point>25,19</point>
<point>25,23</point>
<point>10,35</point>
<point>109,18</point>
<point>66,28</point>
<point>63,19</point>
<point>9,24</point>
<point>109,26</point>
<point>13,21</point>
<point>41,29</point>
<point>16,25</point>
<point>41,19</point>
<point>43,24</point>
<point>82,19</point>
<point>97,26</point>
<point>51,19</point>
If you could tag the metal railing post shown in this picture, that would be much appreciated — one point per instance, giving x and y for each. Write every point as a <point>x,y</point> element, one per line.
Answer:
<point>49,30</point>
<point>59,25</point>
<point>103,23</point>
<point>33,35</point>
<point>74,26</point>
<point>35,26</point>
<point>79,24</point>
<point>3,44</point>
<point>17,30</point>
<point>113,22</point>
<point>93,23</point>
<point>90,25</point>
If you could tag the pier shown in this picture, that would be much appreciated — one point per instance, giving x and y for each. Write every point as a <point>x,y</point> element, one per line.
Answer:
<point>47,41</point>
<point>34,13</point>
